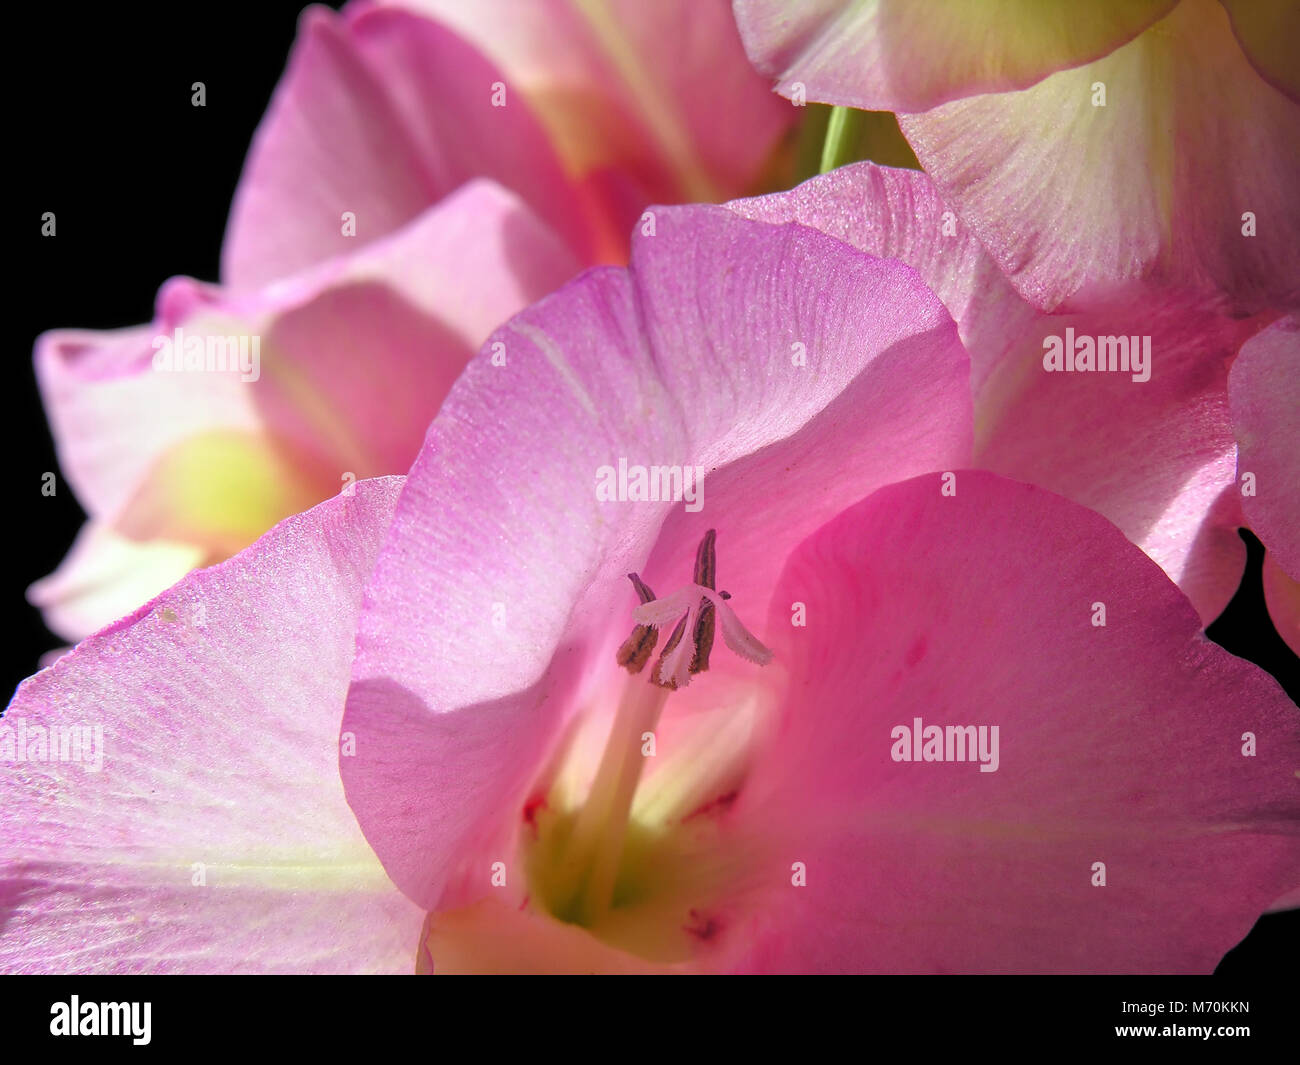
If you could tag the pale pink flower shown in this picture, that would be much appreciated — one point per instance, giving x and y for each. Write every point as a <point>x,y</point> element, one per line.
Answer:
<point>343,365</point>
<point>1158,456</point>
<point>1083,144</point>
<point>493,748</point>
<point>389,215</point>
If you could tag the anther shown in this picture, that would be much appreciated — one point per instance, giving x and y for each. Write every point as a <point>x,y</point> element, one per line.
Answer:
<point>706,572</point>
<point>635,652</point>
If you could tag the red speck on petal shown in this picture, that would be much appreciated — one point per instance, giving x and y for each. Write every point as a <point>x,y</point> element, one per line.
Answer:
<point>537,802</point>
<point>714,806</point>
<point>702,928</point>
<point>917,651</point>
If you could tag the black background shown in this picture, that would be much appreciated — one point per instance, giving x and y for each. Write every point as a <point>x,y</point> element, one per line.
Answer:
<point>141,181</point>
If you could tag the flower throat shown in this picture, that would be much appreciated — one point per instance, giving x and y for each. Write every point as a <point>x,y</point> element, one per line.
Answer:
<point>595,858</point>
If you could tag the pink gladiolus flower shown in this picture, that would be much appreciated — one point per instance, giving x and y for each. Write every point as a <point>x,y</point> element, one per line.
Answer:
<point>1083,144</point>
<point>187,438</point>
<point>1157,456</point>
<point>924,754</point>
<point>383,112</point>
<point>367,256</point>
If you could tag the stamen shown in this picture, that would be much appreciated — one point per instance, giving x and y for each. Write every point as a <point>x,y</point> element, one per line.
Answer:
<point>696,609</point>
<point>595,848</point>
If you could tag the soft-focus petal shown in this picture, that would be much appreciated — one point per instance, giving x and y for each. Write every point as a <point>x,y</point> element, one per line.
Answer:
<point>798,373</point>
<point>1269,33</point>
<point>1154,456</point>
<point>354,358</point>
<point>489,937</point>
<point>647,102</point>
<point>897,55</point>
<point>1265,389</point>
<point>1122,744</point>
<point>462,267</point>
<point>214,835</point>
<point>332,141</point>
<point>379,115</point>
<point>106,576</point>
<point>98,387</point>
<point>1164,181</point>
<point>443,89</point>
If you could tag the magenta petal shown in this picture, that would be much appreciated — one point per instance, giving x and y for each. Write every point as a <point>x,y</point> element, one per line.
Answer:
<point>213,834</point>
<point>1121,744</point>
<point>1265,389</point>
<point>799,374</point>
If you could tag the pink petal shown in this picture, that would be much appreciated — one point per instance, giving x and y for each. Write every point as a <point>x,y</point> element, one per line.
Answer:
<point>1155,457</point>
<point>97,387</point>
<point>898,214</point>
<point>1065,194</point>
<point>505,576</point>
<point>442,87</point>
<point>892,55</point>
<point>219,705</point>
<point>415,306</point>
<point>381,114</point>
<point>332,141</point>
<point>1120,744</point>
<point>1265,389</point>
<point>622,87</point>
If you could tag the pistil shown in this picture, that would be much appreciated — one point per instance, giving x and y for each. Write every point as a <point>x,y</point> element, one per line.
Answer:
<point>596,845</point>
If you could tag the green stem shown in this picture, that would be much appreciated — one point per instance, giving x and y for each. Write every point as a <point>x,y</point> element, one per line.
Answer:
<point>842,133</point>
